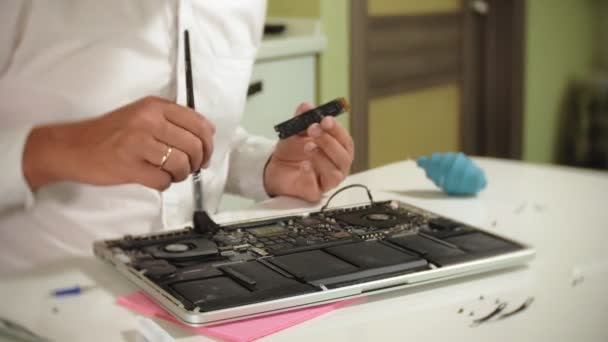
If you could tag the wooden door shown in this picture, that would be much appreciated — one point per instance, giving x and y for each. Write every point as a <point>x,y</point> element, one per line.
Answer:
<point>421,75</point>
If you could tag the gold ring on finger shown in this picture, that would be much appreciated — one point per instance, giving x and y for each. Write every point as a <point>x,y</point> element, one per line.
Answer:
<point>166,156</point>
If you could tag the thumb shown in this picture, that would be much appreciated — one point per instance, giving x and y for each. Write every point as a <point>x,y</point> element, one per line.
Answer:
<point>304,107</point>
<point>307,185</point>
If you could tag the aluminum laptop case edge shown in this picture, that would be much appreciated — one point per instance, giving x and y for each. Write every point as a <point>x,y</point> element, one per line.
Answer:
<point>419,278</point>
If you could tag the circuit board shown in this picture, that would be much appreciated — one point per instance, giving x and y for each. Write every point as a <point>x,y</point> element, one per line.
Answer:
<point>262,260</point>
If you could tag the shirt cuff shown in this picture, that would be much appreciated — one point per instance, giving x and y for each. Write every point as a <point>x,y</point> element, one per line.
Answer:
<point>16,193</point>
<point>247,163</point>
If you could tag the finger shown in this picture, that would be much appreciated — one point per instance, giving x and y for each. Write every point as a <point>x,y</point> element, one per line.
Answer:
<point>152,151</point>
<point>187,118</point>
<point>330,146</point>
<point>307,182</point>
<point>291,148</point>
<point>177,165</point>
<point>303,107</point>
<point>185,141</point>
<point>329,176</point>
<point>152,101</point>
<point>331,126</point>
<point>194,123</point>
<point>152,177</point>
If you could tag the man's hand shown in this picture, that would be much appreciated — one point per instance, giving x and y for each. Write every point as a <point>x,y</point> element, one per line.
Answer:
<point>309,164</point>
<point>123,146</point>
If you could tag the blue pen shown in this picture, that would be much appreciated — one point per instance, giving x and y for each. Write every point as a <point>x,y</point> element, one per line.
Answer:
<point>71,291</point>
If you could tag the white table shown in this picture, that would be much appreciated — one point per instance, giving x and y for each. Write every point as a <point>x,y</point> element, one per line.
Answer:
<point>562,212</point>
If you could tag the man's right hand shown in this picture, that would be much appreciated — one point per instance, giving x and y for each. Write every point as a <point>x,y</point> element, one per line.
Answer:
<point>123,146</point>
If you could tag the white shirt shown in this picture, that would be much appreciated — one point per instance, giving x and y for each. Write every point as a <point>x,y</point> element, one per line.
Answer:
<point>70,60</point>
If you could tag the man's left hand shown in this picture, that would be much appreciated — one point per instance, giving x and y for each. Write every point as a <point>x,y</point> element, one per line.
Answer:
<point>311,163</point>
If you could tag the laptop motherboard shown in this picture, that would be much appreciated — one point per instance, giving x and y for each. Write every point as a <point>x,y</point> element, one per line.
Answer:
<point>263,260</point>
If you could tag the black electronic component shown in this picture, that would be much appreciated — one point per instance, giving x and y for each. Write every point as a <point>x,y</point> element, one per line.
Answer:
<point>177,247</point>
<point>261,277</point>
<point>201,248</point>
<point>256,261</point>
<point>368,274</point>
<point>374,259</point>
<point>242,283</point>
<point>371,254</point>
<point>481,244</point>
<point>156,268</point>
<point>376,216</point>
<point>267,230</point>
<point>227,239</point>
<point>204,292</point>
<point>239,277</point>
<point>442,228</point>
<point>348,263</point>
<point>197,271</point>
<point>301,122</point>
<point>303,244</point>
<point>380,217</point>
<point>279,240</point>
<point>442,224</point>
<point>305,265</point>
<point>435,251</point>
<point>297,235</point>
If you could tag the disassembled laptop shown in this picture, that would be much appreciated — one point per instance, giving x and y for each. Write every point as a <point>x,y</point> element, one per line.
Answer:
<point>269,265</point>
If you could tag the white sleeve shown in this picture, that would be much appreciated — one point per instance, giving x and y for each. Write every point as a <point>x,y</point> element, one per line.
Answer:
<point>248,159</point>
<point>12,14</point>
<point>16,193</point>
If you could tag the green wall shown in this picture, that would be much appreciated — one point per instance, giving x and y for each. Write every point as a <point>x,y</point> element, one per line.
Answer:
<point>559,48</point>
<point>283,8</point>
<point>411,7</point>
<point>334,61</point>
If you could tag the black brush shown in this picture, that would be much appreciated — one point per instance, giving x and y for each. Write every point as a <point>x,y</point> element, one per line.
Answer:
<point>201,221</point>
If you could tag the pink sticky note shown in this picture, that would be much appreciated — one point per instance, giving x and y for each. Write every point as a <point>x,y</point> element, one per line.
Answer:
<point>239,331</point>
